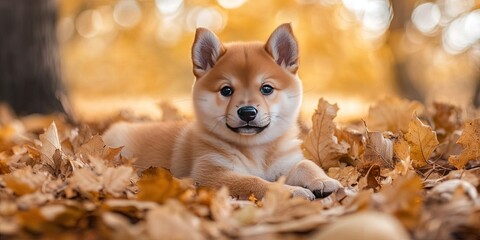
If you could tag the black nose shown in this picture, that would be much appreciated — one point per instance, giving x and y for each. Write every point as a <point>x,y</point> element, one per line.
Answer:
<point>247,113</point>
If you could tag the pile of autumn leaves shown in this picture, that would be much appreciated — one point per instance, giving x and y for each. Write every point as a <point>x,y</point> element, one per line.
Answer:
<point>414,170</point>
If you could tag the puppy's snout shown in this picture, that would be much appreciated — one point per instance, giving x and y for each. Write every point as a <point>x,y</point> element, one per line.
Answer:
<point>247,113</point>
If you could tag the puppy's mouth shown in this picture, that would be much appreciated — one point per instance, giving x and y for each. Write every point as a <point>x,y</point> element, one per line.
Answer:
<point>248,129</point>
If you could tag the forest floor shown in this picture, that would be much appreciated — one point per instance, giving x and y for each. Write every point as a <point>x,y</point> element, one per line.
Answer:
<point>410,172</point>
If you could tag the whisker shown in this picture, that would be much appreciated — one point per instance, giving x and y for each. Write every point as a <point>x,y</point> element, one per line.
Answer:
<point>216,124</point>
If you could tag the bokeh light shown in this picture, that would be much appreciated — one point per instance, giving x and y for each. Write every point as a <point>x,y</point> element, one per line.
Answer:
<point>169,6</point>
<point>426,17</point>
<point>127,13</point>
<point>230,4</point>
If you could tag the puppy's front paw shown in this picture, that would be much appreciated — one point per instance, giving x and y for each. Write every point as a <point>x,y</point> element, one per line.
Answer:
<point>301,192</point>
<point>322,188</point>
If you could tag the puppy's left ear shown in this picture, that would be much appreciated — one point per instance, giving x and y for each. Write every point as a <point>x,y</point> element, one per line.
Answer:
<point>283,47</point>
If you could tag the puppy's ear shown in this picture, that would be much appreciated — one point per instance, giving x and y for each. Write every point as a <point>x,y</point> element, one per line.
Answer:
<point>283,47</point>
<point>206,50</point>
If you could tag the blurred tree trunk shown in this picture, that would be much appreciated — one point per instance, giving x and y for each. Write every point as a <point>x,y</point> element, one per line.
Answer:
<point>29,62</point>
<point>401,16</point>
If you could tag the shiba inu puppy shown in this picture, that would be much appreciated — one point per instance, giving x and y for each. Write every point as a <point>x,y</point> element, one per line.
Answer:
<point>247,98</point>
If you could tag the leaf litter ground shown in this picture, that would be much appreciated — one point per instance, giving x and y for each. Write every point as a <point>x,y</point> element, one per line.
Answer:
<point>409,173</point>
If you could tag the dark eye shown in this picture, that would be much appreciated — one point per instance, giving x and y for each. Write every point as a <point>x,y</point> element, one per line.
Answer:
<point>226,91</point>
<point>266,90</point>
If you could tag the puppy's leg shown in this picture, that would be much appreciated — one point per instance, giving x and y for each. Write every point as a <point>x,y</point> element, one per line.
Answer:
<point>242,185</point>
<point>307,174</point>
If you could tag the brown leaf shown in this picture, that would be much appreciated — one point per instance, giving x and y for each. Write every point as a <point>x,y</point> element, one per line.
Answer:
<point>116,180</point>
<point>470,141</point>
<point>347,175</point>
<point>401,149</point>
<point>404,199</point>
<point>86,181</point>
<point>422,141</point>
<point>392,114</point>
<point>95,147</point>
<point>379,150</point>
<point>320,144</point>
<point>446,117</point>
<point>355,140</point>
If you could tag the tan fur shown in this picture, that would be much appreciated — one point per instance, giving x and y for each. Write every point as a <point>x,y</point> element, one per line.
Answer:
<point>215,155</point>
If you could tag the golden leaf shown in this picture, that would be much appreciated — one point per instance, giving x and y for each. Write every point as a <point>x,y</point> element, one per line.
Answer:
<point>321,145</point>
<point>392,114</point>
<point>422,141</point>
<point>158,185</point>
<point>470,141</point>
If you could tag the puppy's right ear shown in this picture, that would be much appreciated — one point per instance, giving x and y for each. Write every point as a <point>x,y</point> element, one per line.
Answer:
<point>206,50</point>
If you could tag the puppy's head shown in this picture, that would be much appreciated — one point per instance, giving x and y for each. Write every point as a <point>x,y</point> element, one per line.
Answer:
<point>247,93</point>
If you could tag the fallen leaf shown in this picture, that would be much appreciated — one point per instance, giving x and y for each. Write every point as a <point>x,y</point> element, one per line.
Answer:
<point>354,139</point>
<point>401,149</point>
<point>87,182</point>
<point>379,150</point>
<point>95,147</point>
<point>320,144</point>
<point>404,199</point>
<point>470,141</point>
<point>422,141</point>
<point>158,185</point>
<point>116,180</point>
<point>446,117</point>
<point>50,144</point>
<point>346,175</point>
<point>392,114</point>
<point>24,181</point>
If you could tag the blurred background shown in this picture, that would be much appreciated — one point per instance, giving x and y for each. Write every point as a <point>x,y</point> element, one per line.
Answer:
<point>133,54</point>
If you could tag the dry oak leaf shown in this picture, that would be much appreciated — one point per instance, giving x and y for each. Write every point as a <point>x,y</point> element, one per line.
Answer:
<point>95,147</point>
<point>392,114</point>
<point>470,141</point>
<point>321,145</point>
<point>50,144</point>
<point>422,141</point>
<point>379,150</point>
